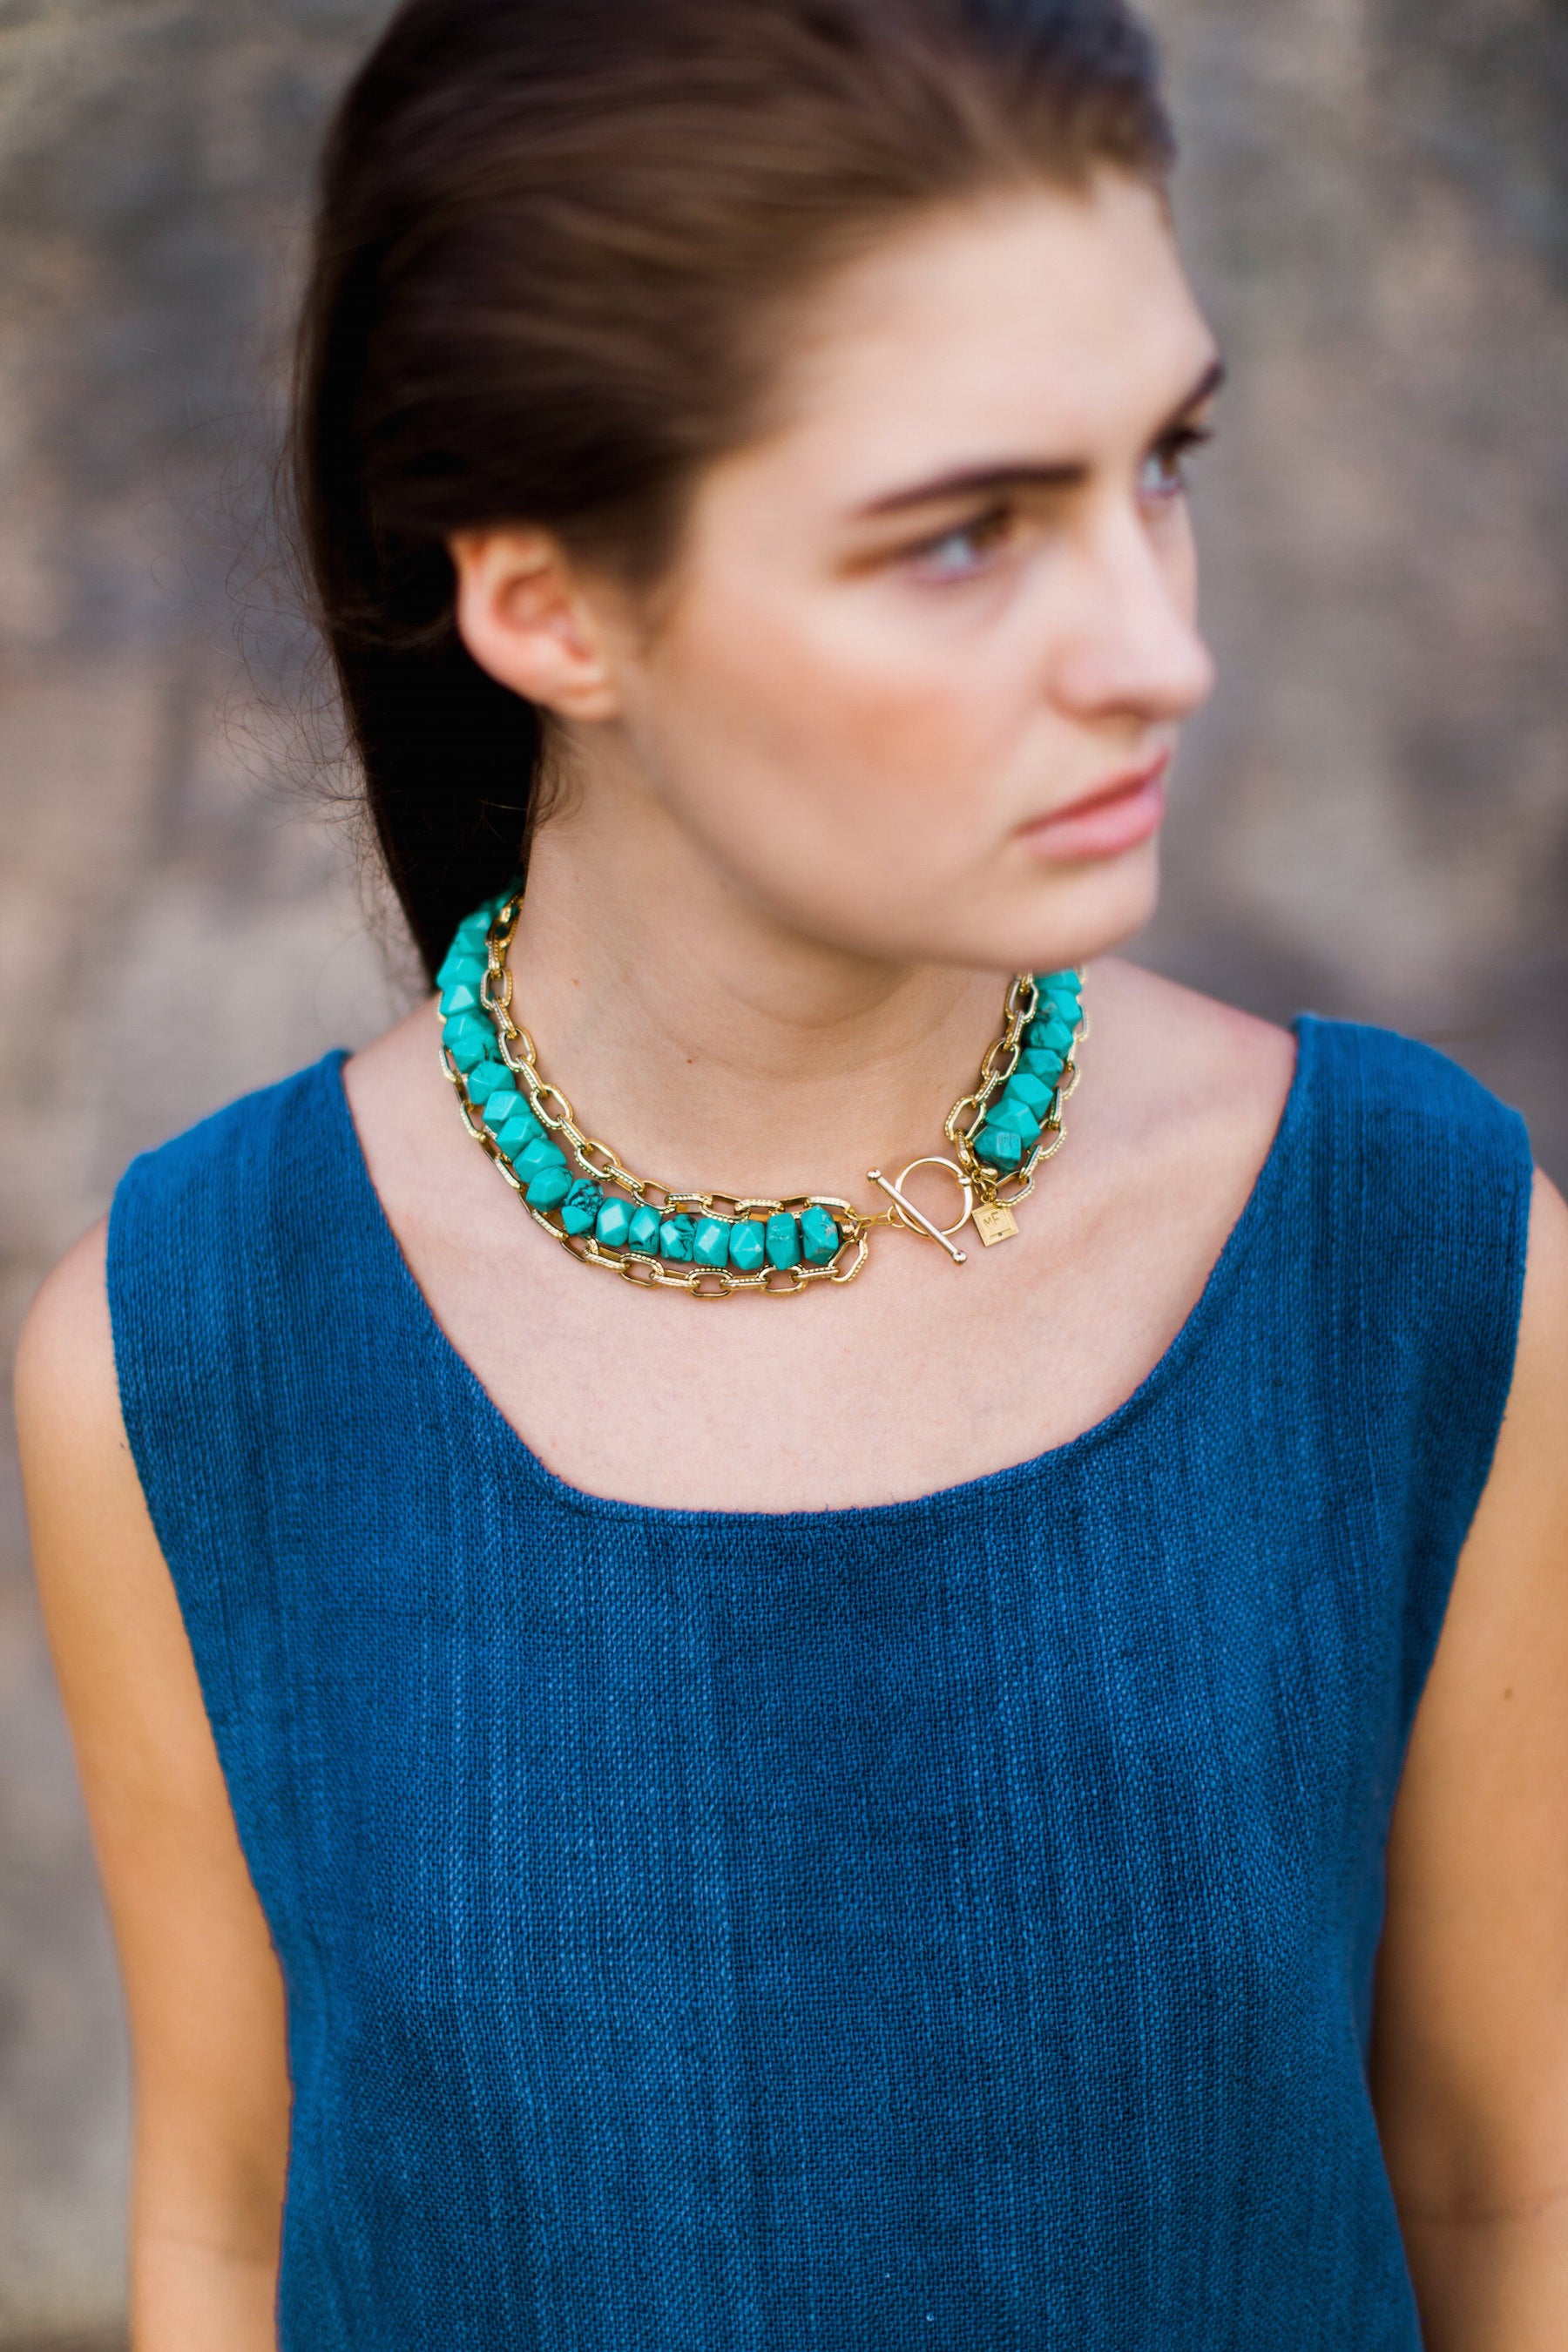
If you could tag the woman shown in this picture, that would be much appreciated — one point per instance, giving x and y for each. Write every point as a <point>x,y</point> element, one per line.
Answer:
<point>860,1821</point>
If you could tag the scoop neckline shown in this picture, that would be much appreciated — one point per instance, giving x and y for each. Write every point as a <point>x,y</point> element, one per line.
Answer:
<point>427,1331</point>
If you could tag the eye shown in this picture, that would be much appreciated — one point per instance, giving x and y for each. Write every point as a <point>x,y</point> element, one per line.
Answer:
<point>1164,474</point>
<point>966,551</point>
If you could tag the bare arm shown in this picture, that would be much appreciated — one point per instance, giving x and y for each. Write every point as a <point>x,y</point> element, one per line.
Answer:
<point>1470,2056</point>
<point>202,1982</point>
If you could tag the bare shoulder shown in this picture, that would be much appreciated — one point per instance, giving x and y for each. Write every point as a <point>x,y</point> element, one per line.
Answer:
<point>84,1501</point>
<point>1517,1547</point>
<point>1519,1544</point>
<point>1543,1322</point>
<point>65,1390</point>
<point>1185,1077</point>
<point>102,1578</point>
<point>71,1304</point>
<point>1524,1513</point>
<point>1159,1023</point>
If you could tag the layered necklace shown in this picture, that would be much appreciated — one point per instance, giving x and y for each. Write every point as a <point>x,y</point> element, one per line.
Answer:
<point>711,1245</point>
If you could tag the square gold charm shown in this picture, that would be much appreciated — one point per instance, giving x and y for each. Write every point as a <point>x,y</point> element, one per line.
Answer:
<point>993,1222</point>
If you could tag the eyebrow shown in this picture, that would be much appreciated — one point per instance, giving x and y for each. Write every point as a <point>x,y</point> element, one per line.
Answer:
<point>1018,474</point>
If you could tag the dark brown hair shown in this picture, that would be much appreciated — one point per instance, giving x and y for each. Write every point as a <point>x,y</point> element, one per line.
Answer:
<point>557,244</point>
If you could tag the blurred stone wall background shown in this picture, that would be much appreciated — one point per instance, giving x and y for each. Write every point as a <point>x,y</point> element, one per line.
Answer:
<point>1374,820</point>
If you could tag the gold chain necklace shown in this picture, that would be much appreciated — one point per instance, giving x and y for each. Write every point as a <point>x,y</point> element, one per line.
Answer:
<point>713,1245</point>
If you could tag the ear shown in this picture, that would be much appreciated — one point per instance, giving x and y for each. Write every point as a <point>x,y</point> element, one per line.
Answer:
<point>523,614</point>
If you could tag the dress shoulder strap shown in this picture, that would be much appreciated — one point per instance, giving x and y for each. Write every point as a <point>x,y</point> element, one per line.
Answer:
<point>211,1243</point>
<point>232,1251</point>
<point>1412,1203</point>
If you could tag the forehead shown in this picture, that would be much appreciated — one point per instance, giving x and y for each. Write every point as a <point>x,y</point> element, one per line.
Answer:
<point>1047,323</point>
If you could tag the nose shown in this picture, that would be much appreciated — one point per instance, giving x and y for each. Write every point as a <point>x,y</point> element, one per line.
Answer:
<point>1131,648</point>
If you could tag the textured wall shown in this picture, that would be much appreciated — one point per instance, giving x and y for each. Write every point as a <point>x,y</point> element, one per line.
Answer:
<point>173,926</point>
<point>1377,207</point>
<point>1374,816</point>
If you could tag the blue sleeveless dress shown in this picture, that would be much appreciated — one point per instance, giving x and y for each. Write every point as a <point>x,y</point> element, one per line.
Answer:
<point>948,1924</point>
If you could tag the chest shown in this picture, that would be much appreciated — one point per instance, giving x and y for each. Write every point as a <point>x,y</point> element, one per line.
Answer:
<point>806,1892</point>
<point>1059,1671</point>
<point>919,1375</point>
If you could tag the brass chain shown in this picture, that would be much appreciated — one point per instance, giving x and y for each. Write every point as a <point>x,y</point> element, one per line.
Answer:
<point>600,1161</point>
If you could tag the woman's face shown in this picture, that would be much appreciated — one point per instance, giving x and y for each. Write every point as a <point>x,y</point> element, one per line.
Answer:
<point>933,634</point>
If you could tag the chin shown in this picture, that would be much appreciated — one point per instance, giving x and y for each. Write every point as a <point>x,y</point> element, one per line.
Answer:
<point>1074,913</point>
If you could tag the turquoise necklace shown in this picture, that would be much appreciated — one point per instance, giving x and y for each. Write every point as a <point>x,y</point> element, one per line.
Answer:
<point>713,1245</point>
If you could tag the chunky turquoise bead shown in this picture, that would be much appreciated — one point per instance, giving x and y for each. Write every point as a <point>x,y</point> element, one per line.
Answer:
<point>520,1130</point>
<point>1014,1117</point>
<point>642,1233</point>
<point>463,963</point>
<point>710,1241</point>
<point>614,1218</point>
<point>470,952</point>
<point>999,1148</point>
<point>1023,1088</point>
<point>487,1079</point>
<point>460,996</point>
<point>468,1039</point>
<point>540,1153</point>
<point>748,1245</point>
<point>674,1239</point>
<point>469,959</point>
<point>1049,1034</point>
<point>548,1187</point>
<point>820,1237</point>
<point>782,1239</point>
<point>1047,1067</point>
<point>469,964</point>
<point>1066,998</point>
<point>580,1208</point>
<point>501,1105</point>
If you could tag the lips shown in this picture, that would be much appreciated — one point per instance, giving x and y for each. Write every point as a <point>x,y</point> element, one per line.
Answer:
<point>1114,817</point>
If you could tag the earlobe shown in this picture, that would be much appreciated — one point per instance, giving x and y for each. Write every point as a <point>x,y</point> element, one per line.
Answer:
<point>523,615</point>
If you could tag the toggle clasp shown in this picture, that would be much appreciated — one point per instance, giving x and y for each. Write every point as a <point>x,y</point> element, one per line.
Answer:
<point>905,1213</point>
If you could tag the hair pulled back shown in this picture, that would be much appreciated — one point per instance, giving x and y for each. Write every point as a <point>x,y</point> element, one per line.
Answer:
<point>556,245</point>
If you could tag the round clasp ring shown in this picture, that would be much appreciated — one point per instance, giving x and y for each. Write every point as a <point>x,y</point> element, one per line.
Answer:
<point>904,1212</point>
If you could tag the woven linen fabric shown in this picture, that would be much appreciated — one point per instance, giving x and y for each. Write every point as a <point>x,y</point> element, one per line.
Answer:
<point>946,1923</point>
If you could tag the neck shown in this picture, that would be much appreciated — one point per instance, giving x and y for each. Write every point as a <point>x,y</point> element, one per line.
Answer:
<point>706,1041</point>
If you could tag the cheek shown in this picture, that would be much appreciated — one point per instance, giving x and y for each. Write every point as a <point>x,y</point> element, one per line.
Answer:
<point>841,726</point>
